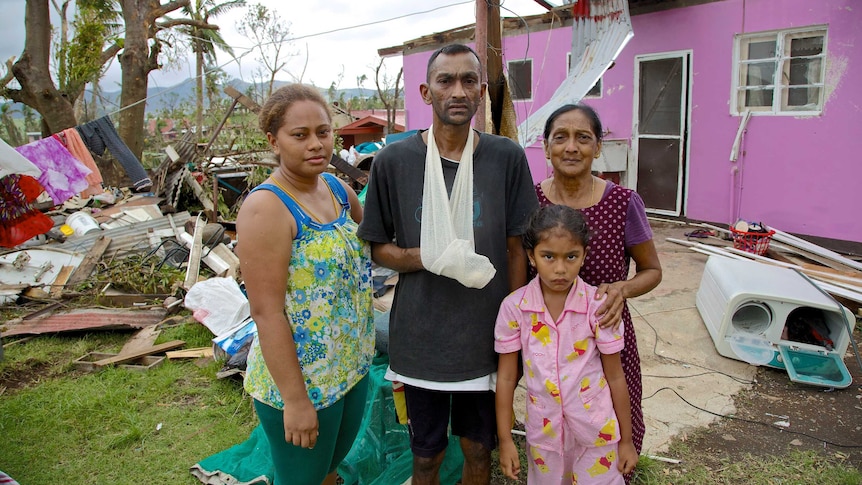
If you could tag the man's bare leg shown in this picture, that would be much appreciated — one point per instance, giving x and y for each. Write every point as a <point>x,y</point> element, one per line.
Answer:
<point>426,471</point>
<point>477,463</point>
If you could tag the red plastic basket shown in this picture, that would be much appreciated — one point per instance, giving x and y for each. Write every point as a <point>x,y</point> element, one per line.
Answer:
<point>751,242</point>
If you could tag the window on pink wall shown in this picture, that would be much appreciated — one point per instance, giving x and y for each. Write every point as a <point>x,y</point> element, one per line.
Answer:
<point>780,72</point>
<point>521,79</point>
<point>596,90</point>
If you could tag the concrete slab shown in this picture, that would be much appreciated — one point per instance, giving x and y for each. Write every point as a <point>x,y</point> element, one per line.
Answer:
<point>678,358</point>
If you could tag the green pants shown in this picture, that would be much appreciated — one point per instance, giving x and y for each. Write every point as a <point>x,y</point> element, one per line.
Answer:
<point>338,426</point>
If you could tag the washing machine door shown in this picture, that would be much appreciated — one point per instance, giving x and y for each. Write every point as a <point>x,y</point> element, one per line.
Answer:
<point>815,367</point>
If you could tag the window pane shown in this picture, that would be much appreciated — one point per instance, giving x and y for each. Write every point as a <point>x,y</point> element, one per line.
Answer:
<point>805,71</point>
<point>760,74</point>
<point>761,50</point>
<point>660,96</point>
<point>803,98</point>
<point>758,97</point>
<point>806,46</point>
<point>521,79</point>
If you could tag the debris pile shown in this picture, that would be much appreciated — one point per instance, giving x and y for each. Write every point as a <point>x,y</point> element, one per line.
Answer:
<point>97,257</point>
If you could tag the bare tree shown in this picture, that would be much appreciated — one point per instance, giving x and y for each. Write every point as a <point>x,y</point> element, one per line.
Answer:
<point>204,43</point>
<point>388,94</point>
<point>271,36</point>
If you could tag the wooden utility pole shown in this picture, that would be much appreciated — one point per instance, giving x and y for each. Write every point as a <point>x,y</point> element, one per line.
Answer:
<point>489,47</point>
<point>494,63</point>
<point>481,37</point>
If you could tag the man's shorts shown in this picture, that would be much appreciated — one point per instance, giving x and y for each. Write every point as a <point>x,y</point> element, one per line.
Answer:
<point>472,417</point>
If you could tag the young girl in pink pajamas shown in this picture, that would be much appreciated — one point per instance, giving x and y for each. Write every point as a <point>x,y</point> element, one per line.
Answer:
<point>578,421</point>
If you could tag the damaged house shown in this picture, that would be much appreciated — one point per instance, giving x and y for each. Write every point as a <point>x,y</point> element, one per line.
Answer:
<point>715,110</point>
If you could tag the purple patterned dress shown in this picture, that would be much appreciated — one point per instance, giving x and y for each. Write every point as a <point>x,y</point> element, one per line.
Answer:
<point>608,262</point>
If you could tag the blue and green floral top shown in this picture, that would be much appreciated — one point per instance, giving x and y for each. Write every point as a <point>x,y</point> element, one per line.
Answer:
<point>328,305</point>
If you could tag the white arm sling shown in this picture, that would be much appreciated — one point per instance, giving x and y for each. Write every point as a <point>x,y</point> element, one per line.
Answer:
<point>447,242</point>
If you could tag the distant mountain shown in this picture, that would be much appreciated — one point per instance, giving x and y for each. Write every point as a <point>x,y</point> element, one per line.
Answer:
<point>170,97</point>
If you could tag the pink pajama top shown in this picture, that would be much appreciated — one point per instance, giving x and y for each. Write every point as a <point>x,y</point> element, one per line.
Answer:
<point>566,387</point>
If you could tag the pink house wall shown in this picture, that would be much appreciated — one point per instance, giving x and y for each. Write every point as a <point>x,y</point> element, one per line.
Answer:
<point>798,174</point>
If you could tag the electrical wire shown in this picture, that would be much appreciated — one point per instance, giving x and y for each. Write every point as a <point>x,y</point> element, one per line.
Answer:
<point>752,421</point>
<point>251,49</point>
<point>683,362</point>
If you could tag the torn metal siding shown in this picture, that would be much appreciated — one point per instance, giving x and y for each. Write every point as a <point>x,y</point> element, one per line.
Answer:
<point>599,34</point>
<point>126,239</point>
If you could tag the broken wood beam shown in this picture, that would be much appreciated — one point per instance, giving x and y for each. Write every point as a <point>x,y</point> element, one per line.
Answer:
<point>220,125</point>
<point>155,349</point>
<point>789,239</point>
<point>60,281</point>
<point>199,193</point>
<point>243,99</point>
<point>347,169</point>
<point>94,255</point>
<point>142,339</point>
<point>190,353</point>
<point>194,266</point>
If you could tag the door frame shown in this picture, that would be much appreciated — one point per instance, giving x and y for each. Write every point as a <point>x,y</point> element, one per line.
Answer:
<point>685,123</point>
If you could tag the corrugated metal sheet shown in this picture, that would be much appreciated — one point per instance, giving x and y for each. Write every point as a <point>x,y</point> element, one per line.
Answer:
<point>126,239</point>
<point>84,319</point>
<point>599,34</point>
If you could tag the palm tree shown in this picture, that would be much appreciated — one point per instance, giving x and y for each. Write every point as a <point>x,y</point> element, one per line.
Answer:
<point>205,42</point>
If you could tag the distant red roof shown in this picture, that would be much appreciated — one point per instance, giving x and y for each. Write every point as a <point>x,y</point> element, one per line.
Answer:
<point>400,114</point>
<point>368,125</point>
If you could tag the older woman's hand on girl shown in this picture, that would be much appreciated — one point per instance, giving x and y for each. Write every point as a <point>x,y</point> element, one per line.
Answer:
<point>647,276</point>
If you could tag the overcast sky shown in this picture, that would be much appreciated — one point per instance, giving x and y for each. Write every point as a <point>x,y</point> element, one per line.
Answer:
<point>351,50</point>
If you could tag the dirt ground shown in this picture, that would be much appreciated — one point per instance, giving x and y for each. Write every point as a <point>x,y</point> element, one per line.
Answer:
<point>825,420</point>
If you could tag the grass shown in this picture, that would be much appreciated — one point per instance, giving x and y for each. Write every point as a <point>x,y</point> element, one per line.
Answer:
<point>114,426</point>
<point>794,468</point>
<point>60,425</point>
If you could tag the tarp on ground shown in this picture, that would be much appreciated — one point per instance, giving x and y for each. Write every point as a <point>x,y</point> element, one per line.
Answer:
<point>379,456</point>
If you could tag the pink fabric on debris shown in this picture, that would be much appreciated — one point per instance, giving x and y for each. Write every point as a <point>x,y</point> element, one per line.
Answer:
<point>79,150</point>
<point>63,175</point>
<point>7,480</point>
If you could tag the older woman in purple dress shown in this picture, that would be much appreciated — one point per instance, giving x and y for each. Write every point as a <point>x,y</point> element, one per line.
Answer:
<point>618,222</point>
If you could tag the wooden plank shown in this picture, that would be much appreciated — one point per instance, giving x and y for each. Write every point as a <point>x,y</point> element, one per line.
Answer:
<point>800,255</point>
<point>60,281</point>
<point>346,168</point>
<point>194,267</point>
<point>35,293</point>
<point>810,247</point>
<point>155,349</point>
<point>190,353</point>
<point>94,255</point>
<point>220,259</point>
<point>115,298</point>
<point>142,339</point>
<point>205,201</point>
<point>243,99</point>
<point>228,257</point>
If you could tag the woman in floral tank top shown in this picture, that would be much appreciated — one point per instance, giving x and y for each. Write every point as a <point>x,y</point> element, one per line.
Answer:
<point>308,279</point>
<point>621,232</point>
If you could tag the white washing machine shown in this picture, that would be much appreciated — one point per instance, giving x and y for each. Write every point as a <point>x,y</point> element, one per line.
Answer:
<point>774,316</point>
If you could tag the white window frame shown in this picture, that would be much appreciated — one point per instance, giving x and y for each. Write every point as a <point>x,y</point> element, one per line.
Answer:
<point>597,87</point>
<point>781,74</point>
<point>511,85</point>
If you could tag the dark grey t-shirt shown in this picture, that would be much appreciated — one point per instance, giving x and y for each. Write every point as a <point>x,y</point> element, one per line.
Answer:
<point>440,330</point>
